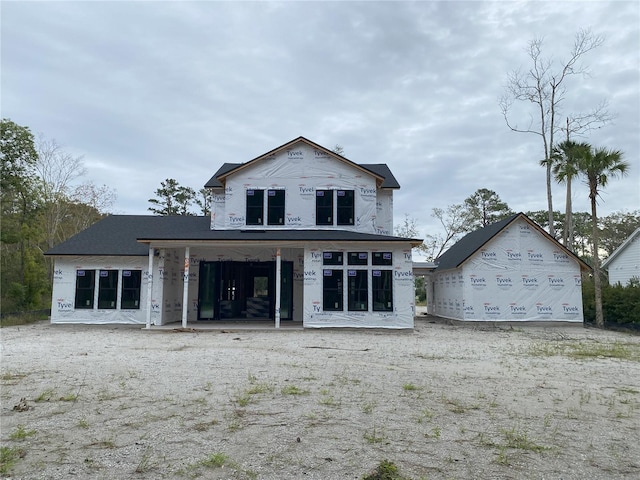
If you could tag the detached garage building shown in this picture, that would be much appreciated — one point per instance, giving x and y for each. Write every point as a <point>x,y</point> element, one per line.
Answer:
<point>511,270</point>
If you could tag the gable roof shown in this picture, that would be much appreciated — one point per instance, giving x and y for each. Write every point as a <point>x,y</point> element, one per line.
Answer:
<point>380,171</point>
<point>621,248</point>
<point>128,235</point>
<point>468,245</point>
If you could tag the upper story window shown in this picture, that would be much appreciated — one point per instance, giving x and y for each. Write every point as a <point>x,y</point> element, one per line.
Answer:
<point>345,211</point>
<point>324,207</point>
<point>275,207</point>
<point>255,207</point>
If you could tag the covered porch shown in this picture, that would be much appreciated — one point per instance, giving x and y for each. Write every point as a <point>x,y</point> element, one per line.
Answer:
<point>214,284</point>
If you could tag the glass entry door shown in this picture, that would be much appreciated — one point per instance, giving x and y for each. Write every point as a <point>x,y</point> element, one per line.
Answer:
<point>208,290</point>
<point>241,290</point>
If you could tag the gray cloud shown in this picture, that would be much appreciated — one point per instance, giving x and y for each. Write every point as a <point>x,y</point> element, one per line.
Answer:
<point>154,90</point>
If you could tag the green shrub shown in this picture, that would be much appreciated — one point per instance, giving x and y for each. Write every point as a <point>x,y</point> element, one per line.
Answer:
<point>620,304</point>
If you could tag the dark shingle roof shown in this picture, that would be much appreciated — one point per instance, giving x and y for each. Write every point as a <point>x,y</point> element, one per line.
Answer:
<point>472,242</point>
<point>121,235</point>
<point>225,168</point>
<point>118,234</point>
<point>382,170</point>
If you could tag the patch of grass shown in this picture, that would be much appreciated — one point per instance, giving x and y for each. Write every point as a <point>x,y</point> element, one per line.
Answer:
<point>82,423</point>
<point>22,319</point>
<point>260,388</point>
<point>45,396</point>
<point>435,433</point>
<point>204,426</point>
<point>293,390</point>
<point>9,456</point>
<point>328,401</point>
<point>368,407</point>
<point>627,390</point>
<point>455,406</point>
<point>215,460</point>
<point>21,433</point>
<point>11,377</point>
<point>243,400</point>
<point>425,415</point>
<point>69,397</point>
<point>374,436</point>
<point>588,350</point>
<point>145,464</point>
<point>385,470</point>
<point>520,440</point>
<point>106,443</point>
<point>409,387</point>
<point>503,458</point>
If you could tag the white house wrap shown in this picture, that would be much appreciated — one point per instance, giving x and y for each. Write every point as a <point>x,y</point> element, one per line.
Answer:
<point>509,271</point>
<point>299,234</point>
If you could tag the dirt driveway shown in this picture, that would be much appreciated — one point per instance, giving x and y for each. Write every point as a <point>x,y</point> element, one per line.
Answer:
<point>441,402</point>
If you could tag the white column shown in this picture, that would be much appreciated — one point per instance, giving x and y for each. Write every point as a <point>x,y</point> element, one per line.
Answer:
<point>278,286</point>
<point>149,285</point>
<point>185,291</point>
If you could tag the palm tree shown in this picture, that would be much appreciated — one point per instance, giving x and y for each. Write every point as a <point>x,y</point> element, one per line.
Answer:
<point>564,166</point>
<point>598,166</point>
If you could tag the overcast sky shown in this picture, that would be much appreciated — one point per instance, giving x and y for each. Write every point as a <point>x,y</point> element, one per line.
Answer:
<point>146,91</point>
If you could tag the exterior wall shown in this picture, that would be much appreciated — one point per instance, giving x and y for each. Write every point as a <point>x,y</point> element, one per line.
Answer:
<point>384,212</point>
<point>64,288</point>
<point>171,278</point>
<point>448,288</point>
<point>300,171</point>
<point>626,264</point>
<point>519,275</point>
<point>403,312</point>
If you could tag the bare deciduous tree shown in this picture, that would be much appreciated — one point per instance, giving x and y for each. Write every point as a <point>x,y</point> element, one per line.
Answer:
<point>454,221</point>
<point>57,169</point>
<point>543,86</point>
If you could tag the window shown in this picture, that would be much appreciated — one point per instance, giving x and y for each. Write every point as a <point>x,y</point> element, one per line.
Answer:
<point>108,289</point>
<point>85,281</point>
<point>382,258</point>
<point>332,290</point>
<point>131,280</point>
<point>255,207</point>
<point>332,258</point>
<point>324,207</point>
<point>275,207</point>
<point>358,292</point>
<point>345,211</point>
<point>382,290</point>
<point>358,258</point>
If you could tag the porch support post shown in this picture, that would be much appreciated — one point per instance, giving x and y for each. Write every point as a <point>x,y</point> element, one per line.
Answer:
<point>149,285</point>
<point>278,282</point>
<point>185,291</point>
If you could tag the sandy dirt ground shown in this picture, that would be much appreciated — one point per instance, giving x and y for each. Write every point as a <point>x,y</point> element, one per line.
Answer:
<point>441,402</point>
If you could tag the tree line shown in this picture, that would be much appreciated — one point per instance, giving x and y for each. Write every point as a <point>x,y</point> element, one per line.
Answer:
<point>43,202</point>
